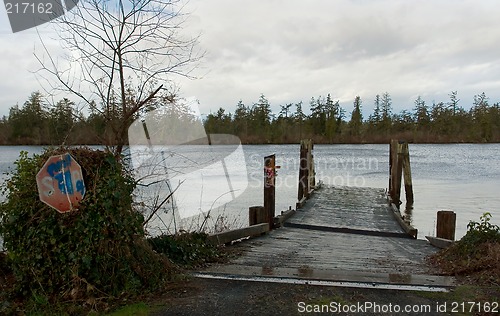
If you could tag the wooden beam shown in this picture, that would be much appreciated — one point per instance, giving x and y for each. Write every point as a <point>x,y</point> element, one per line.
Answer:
<point>280,219</point>
<point>410,230</point>
<point>235,234</point>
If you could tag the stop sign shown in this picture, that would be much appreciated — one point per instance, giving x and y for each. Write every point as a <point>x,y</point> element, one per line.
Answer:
<point>60,183</point>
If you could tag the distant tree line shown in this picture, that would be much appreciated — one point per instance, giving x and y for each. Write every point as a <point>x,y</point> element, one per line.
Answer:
<point>38,123</point>
<point>327,121</point>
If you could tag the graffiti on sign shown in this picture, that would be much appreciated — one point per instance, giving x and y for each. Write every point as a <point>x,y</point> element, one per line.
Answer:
<point>60,183</point>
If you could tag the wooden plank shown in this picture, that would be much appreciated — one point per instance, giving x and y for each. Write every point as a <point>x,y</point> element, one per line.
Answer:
<point>300,248</point>
<point>439,242</point>
<point>280,219</point>
<point>348,207</point>
<point>346,230</point>
<point>235,234</point>
<point>406,226</point>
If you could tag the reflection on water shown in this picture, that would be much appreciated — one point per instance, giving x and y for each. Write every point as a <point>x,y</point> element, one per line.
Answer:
<point>461,177</point>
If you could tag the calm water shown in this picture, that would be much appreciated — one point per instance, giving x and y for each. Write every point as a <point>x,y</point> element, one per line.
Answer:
<point>460,177</point>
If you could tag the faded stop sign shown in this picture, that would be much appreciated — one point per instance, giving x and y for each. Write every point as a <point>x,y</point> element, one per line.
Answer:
<point>60,183</point>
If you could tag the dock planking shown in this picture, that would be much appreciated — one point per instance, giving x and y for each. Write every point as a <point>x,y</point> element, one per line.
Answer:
<point>341,231</point>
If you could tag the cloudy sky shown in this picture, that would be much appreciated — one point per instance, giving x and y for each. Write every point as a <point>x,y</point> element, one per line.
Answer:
<point>293,50</point>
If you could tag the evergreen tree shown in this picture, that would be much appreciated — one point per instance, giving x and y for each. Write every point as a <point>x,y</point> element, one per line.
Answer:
<point>356,122</point>
<point>422,117</point>
<point>375,118</point>
<point>386,107</point>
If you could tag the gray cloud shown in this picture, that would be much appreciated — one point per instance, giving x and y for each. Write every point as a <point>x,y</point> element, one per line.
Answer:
<point>294,50</point>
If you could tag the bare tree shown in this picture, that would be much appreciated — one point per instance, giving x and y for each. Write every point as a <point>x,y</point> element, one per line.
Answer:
<point>120,58</point>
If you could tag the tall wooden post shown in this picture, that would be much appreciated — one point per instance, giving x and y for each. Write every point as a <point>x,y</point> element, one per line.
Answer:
<point>302,189</point>
<point>399,166</point>
<point>311,180</point>
<point>396,169</point>
<point>399,174</point>
<point>269,188</point>
<point>446,223</point>
<point>407,175</point>
<point>391,155</point>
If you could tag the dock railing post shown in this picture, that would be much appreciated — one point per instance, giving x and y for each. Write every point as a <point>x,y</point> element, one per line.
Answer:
<point>446,223</point>
<point>256,215</point>
<point>270,188</point>
<point>407,175</point>
<point>399,174</point>
<point>310,166</point>
<point>302,170</point>
<point>395,173</point>
<point>399,166</point>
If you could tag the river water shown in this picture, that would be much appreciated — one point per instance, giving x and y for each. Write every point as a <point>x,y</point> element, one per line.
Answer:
<point>464,178</point>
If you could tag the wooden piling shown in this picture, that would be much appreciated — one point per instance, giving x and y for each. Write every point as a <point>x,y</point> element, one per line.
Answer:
<point>311,181</point>
<point>399,172</point>
<point>393,157</point>
<point>302,189</point>
<point>257,215</point>
<point>407,175</point>
<point>270,188</point>
<point>399,166</point>
<point>446,223</point>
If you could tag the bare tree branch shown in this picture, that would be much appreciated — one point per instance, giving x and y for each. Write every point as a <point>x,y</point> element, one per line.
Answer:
<point>121,57</point>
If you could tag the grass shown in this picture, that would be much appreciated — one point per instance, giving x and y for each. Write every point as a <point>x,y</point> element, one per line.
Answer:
<point>137,309</point>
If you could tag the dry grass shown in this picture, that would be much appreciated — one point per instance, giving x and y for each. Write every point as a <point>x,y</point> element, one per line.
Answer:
<point>481,267</point>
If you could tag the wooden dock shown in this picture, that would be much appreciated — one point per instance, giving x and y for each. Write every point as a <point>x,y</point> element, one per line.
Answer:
<point>345,234</point>
<point>342,235</point>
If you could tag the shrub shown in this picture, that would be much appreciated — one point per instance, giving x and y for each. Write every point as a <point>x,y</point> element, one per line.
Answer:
<point>476,255</point>
<point>477,234</point>
<point>186,249</point>
<point>97,250</point>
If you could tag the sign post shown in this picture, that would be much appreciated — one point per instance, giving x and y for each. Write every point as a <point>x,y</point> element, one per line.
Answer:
<point>60,183</point>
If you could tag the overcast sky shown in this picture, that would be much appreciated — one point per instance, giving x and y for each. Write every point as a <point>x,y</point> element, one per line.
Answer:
<point>293,50</point>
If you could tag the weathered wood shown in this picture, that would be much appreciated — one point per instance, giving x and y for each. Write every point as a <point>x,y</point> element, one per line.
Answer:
<point>393,157</point>
<point>399,175</point>
<point>311,180</point>
<point>399,165</point>
<point>280,219</point>
<point>302,168</point>
<point>410,230</point>
<point>307,173</point>
<point>439,242</point>
<point>407,175</point>
<point>235,234</point>
<point>270,188</point>
<point>446,222</point>
<point>361,237</point>
<point>257,215</point>
<point>299,248</point>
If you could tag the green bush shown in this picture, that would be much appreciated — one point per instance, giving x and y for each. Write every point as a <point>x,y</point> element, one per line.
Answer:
<point>187,249</point>
<point>97,250</point>
<point>480,232</point>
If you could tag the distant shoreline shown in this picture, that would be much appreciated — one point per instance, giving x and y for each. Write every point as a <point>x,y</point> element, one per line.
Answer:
<point>287,143</point>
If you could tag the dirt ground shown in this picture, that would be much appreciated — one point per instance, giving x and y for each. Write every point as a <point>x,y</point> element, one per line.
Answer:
<point>230,297</point>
